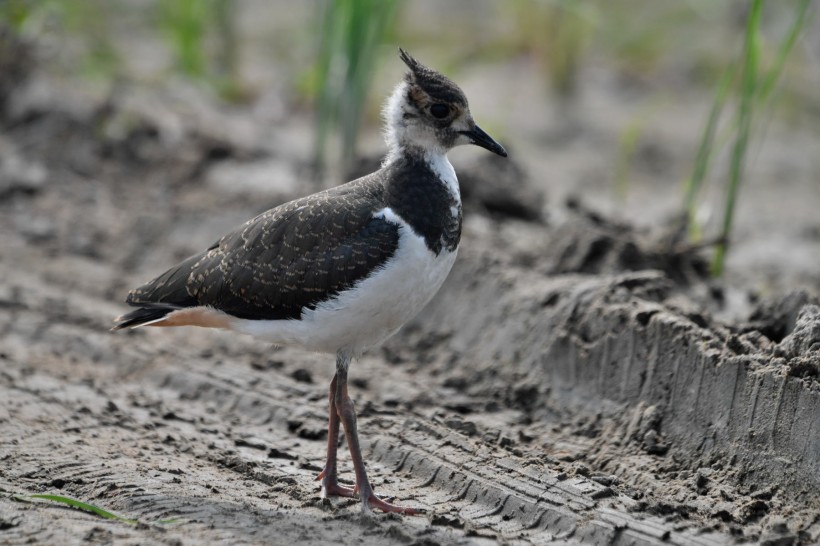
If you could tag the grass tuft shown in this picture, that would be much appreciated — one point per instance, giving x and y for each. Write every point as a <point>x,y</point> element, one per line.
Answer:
<point>754,88</point>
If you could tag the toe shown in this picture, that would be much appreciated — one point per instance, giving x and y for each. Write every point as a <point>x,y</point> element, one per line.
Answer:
<point>375,502</point>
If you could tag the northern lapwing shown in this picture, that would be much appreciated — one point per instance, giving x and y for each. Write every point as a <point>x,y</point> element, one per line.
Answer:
<point>341,270</point>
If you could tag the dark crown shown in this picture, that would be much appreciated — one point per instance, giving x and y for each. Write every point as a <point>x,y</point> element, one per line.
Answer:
<point>438,86</point>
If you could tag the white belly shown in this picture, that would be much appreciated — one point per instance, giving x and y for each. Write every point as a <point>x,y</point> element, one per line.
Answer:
<point>373,310</point>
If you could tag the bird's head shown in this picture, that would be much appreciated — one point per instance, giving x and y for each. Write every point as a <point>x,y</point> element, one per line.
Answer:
<point>429,112</point>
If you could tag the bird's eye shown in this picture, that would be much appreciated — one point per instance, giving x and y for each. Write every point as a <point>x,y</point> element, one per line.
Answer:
<point>439,111</point>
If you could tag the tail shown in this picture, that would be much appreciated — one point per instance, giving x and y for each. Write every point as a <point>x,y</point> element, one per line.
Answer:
<point>148,313</point>
<point>157,299</point>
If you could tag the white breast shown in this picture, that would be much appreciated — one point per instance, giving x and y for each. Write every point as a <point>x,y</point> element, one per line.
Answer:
<point>374,309</point>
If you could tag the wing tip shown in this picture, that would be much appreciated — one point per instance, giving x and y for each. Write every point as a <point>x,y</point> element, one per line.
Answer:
<point>147,314</point>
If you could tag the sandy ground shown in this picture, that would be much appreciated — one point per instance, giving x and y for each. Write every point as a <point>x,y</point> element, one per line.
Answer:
<point>575,382</point>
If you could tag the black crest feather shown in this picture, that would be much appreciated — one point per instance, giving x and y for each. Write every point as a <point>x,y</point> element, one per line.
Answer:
<point>411,63</point>
<point>435,84</point>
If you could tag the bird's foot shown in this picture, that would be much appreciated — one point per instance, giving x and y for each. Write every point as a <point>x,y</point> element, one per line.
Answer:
<point>372,501</point>
<point>332,488</point>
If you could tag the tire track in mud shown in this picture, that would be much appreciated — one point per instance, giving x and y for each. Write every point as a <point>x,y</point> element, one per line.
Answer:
<point>176,442</point>
<point>445,470</point>
<point>491,491</point>
<point>437,467</point>
<point>163,431</point>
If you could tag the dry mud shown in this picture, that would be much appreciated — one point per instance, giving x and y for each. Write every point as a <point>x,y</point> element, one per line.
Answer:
<point>569,385</point>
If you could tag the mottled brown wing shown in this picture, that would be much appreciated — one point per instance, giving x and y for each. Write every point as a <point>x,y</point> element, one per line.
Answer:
<point>285,260</point>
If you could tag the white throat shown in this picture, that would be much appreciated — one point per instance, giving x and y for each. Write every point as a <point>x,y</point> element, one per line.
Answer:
<point>396,131</point>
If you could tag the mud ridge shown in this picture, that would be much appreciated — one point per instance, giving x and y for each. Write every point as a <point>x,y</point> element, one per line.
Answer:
<point>656,373</point>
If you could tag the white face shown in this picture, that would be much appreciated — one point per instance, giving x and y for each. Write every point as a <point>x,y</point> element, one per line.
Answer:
<point>406,124</point>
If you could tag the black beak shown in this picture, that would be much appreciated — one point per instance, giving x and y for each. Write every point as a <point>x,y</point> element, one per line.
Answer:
<point>480,138</point>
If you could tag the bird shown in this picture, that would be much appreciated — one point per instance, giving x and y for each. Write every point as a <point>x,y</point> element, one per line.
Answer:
<point>341,270</point>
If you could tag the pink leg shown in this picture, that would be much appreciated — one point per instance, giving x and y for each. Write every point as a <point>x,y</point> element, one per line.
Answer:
<point>346,412</point>
<point>329,476</point>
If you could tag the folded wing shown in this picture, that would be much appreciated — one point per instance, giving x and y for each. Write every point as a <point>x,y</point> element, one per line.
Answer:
<point>283,261</point>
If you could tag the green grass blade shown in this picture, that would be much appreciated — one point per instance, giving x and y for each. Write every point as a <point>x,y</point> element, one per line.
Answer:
<point>786,47</point>
<point>765,96</point>
<point>84,506</point>
<point>329,38</point>
<point>368,23</point>
<point>751,55</point>
<point>707,141</point>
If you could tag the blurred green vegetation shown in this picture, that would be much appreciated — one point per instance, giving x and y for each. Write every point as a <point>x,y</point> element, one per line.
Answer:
<point>351,33</point>
<point>14,13</point>
<point>204,43</point>
<point>186,22</point>
<point>628,142</point>
<point>556,33</point>
<point>333,54</point>
<point>188,25</point>
<point>200,35</point>
<point>88,19</point>
<point>634,36</point>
